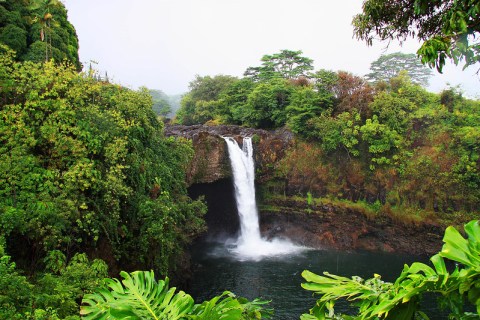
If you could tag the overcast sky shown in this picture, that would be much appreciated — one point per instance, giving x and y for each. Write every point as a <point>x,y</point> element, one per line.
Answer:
<point>163,44</point>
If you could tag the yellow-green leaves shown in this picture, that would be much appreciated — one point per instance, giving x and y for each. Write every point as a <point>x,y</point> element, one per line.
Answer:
<point>465,251</point>
<point>79,159</point>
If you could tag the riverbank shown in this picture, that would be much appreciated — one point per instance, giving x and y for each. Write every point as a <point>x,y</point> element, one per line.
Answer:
<point>324,225</point>
<point>320,224</point>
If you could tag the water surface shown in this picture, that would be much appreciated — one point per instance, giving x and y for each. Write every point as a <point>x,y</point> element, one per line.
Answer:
<point>279,278</point>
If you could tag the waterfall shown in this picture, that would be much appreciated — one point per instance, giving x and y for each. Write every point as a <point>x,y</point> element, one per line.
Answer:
<point>249,244</point>
<point>243,168</point>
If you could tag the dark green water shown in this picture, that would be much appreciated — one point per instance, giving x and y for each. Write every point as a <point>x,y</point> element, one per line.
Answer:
<point>278,279</point>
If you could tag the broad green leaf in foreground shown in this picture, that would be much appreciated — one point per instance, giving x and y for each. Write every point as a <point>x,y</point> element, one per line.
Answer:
<point>400,300</point>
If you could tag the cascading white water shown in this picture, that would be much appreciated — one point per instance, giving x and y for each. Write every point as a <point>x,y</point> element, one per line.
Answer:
<point>250,245</point>
<point>244,182</point>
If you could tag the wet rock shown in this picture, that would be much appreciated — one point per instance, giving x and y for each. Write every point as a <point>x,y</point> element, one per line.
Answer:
<point>336,228</point>
<point>211,163</point>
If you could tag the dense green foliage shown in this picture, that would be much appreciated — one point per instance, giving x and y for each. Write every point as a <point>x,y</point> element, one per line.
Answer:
<point>377,299</point>
<point>286,64</point>
<point>86,172</point>
<point>262,99</point>
<point>407,150</point>
<point>38,30</point>
<point>52,294</point>
<point>200,104</point>
<point>413,151</point>
<point>448,28</point>
<point>140,296</point>
<point>85,167</point>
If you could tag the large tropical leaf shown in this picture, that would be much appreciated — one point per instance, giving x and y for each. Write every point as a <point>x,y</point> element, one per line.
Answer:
<point>228,307</point>
<point>138,296</point>
<point>377,299</point>
<point>459,249</point>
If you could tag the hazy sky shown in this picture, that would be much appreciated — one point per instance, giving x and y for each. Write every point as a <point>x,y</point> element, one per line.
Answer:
<point>163,44</point>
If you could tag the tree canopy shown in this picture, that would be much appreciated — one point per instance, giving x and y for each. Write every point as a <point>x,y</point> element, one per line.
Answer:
<point>85,163</point>
<point>287,64</point>
<point>161,105</point>
<point>448,28</point>
<point>390,65</point>
<point>38,30</point>
<point>86,172</point>
<point>199,105</point>
<point>391,142</point>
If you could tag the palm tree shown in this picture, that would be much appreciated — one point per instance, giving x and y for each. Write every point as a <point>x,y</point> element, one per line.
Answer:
<point>42,15</point>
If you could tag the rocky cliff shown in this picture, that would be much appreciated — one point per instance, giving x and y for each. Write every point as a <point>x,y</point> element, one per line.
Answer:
<point>318,226</point>
<point>325,225</point>
<point>211,162</point>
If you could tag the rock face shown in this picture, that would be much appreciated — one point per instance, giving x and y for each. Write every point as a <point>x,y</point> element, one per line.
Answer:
<point>320,226</point>
<point>327,226</point>
<point>211,162</point>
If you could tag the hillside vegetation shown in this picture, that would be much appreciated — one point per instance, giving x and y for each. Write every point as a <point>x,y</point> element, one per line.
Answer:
<point>84,168</point>
<point>389,141</point>
<point>38,30</point>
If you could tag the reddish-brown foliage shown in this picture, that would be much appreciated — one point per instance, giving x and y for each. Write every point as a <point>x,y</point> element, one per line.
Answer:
<point>353,92</point>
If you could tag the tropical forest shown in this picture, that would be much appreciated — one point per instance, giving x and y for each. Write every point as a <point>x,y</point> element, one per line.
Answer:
<point>289,192</point>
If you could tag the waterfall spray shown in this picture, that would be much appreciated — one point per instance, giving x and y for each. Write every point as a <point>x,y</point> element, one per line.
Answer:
<point>250,244</point>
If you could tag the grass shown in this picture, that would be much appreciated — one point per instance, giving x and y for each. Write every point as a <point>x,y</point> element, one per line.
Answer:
<point>276,203</point>
<point>371,211</point>
<point>404,215</point>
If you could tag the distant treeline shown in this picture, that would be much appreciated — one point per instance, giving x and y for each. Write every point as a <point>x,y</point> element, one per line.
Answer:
<point>165,105</point>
